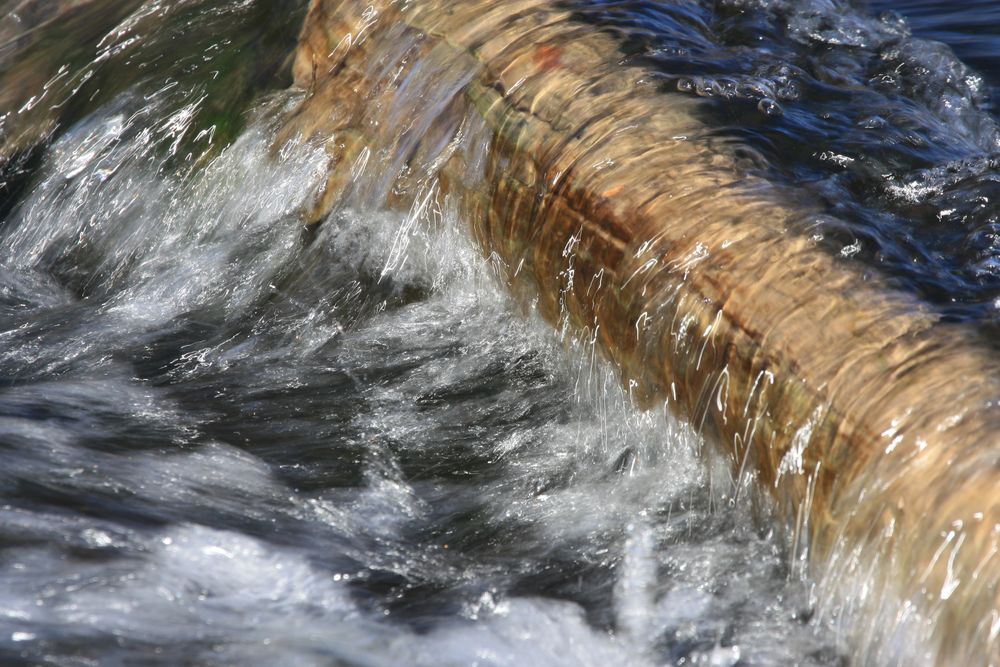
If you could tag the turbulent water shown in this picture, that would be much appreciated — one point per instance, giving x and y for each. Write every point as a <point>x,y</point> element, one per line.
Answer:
<point>228,439</point>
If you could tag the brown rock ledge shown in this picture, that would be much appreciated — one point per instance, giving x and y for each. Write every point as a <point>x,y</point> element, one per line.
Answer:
<point>875,427</point>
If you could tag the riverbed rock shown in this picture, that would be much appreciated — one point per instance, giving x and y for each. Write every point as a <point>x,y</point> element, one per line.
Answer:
<point>37,71</point>
<point>873,425</point>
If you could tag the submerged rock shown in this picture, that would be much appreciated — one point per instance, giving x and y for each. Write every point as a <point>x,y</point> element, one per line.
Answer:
<point>35,64</point>
<point>605,197</point>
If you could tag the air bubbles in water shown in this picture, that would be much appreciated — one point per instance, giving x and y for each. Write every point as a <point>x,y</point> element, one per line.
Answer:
<point>769,107</point>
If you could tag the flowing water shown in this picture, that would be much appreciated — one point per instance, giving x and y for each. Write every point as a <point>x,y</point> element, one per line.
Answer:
<point>230,439</point>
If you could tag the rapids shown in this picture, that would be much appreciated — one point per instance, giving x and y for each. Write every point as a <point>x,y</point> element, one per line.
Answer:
<point>229,438</point>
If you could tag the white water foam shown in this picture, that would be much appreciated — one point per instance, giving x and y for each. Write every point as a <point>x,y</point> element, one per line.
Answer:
<point>550,521</point>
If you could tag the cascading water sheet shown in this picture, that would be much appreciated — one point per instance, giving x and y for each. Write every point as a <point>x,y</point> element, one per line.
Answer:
<point>230,438</point>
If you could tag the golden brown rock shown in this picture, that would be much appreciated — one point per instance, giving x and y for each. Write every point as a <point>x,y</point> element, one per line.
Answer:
<point>875,426</point>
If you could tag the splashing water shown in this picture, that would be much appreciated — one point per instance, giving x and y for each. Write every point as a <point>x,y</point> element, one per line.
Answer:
<point>230,439</point>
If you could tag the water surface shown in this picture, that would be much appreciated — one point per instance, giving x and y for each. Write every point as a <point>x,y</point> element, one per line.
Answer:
<point>228,439</point>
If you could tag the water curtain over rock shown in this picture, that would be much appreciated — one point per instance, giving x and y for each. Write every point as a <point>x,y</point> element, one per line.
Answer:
<point>604,198</point>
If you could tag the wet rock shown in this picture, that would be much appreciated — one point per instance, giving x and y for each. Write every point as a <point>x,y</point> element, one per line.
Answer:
<point>873,424</point>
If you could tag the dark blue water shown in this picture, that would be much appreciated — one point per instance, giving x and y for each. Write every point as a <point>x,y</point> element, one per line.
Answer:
<point>857,107</point>
<point>971,29</point>
<point>229,440</point>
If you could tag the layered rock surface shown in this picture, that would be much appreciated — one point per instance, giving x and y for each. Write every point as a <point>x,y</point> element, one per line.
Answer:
<point>875,426</point>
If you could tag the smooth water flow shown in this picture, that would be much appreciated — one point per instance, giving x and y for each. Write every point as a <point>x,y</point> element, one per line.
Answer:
<point>226,438</point>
